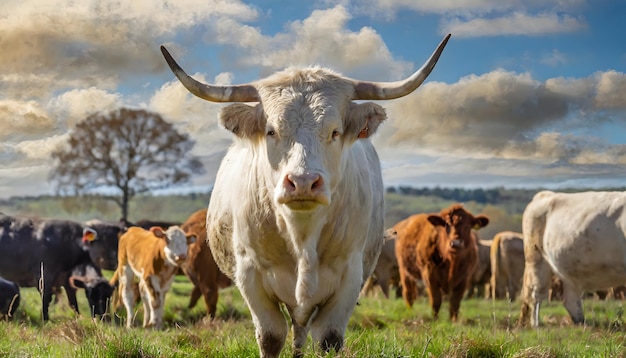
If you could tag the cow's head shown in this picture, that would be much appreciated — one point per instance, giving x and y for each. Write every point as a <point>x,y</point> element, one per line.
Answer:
<point>101,240</point>
<point>177,242</point>
<point>304,121</point>
<point>457,224</point>
<point>97,290</point>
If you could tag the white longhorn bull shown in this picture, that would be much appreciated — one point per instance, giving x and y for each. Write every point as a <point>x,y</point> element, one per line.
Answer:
<point>296,213</point>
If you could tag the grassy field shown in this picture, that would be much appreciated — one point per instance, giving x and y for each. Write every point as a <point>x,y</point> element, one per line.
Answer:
<point>379,327</point>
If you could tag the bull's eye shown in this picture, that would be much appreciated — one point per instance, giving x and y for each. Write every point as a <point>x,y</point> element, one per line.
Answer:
<point>271,133</point>
<point>335,134</point>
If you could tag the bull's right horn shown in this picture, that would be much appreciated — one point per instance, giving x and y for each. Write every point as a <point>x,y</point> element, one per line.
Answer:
<point>389,90</point>
<point>238,93</point>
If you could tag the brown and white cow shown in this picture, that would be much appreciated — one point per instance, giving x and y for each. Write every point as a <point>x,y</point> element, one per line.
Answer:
<point>480,283</point>
<point>441,248</point>
<point>386,271</point>
<point>200,266</point>
<point>296,213</point>
<point>507,265</point>
<point>153,256</point>
<point>581,237</point>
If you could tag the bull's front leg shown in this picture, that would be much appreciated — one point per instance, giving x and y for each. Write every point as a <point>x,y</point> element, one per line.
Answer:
<point>329,322</point>
<point>269,322</point>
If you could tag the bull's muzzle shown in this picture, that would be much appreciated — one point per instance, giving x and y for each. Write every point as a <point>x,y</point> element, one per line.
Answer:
<point>457,244</point>
<point>303,191</point>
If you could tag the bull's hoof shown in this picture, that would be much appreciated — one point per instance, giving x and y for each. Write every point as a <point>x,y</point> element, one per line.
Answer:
<point>332,340</point>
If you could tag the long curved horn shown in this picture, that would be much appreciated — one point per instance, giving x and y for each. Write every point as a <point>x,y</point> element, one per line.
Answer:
<point>390,90</point>
<point>238,93</point>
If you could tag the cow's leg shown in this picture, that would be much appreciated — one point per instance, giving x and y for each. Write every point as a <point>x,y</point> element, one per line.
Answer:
<point>211,294</point>
<point>127,291</point>
<point>537,275</point>
<point>572,300</point>
<point>300,334</point>
<point>46,298</point>
<point>146,299</point>
<point>409,288</point>
<point>194,297</point>
<point>383,281</point>
<point>434,292</point>
<point>271,326</point>
<point>70,292</point>
<point>511,289</point>
<point>329,322</point>
<point>455,300</point>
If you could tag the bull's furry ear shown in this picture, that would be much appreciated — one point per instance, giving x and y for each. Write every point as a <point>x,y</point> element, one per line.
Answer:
<point>436,220</point>
<point>243,120</point>
<point>480,221</point>
<point>363,120</point>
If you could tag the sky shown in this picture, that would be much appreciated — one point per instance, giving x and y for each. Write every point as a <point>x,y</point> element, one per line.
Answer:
<point>527,94</point>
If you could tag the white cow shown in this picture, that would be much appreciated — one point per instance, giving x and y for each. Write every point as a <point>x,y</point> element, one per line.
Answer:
<point>296,213</point>
<point>578,236</point>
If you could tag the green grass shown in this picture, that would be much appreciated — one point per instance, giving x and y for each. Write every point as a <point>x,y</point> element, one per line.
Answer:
<point>378,328</point>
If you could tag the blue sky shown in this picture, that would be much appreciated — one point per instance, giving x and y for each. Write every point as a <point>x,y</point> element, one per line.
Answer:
<point>526,94</point>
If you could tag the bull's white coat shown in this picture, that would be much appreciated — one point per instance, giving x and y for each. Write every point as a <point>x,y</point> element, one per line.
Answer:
<point>581,237</point>
<point>296,213</point>
<point>309,250</point>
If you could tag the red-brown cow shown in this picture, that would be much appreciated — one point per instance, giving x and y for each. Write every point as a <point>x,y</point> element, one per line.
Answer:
<point>441,248</point>
<point>200,266</point>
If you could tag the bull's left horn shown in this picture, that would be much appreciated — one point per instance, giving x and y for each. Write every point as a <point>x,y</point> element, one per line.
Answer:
<point>213,93</point>
<point>390,90</point>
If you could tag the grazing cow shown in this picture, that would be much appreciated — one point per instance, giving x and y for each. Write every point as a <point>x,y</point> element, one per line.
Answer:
<point>153,256</point>
<point>386,271</point>
<point>9,298</point>
<point>296,213</point>
<point>481,277</point>
<point>581,237</point>
<point>200,266</point>
<point>441,248</point>
<point>507,264</point>
<point>32,246</point>
<point>97,288</point>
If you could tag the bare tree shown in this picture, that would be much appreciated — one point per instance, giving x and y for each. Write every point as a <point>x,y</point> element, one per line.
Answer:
<point>121,154</point>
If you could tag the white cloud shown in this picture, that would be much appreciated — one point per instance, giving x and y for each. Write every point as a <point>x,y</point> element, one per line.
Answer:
<point>516,23</point>
<point>74,106</point>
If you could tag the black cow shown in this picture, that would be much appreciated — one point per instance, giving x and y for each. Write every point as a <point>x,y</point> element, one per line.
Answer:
<point>103,244</point>
<point>32,246</point>
<point>97,288</point>
<point>9,298</point>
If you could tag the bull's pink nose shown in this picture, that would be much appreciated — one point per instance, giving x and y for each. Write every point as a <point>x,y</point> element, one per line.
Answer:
<point>303,184</point>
